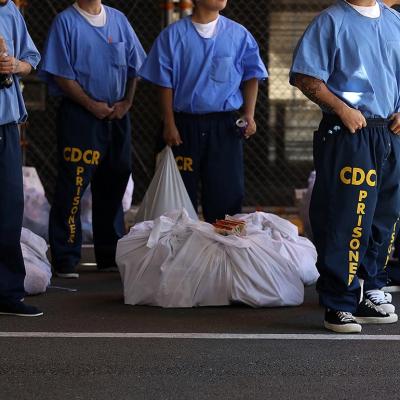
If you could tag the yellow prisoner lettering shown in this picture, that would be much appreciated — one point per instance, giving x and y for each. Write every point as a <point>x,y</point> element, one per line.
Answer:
<point>361,208</point>
<point>353,268</point>
<point>355,244</point>
<point>354,256</point>
<point>357,232</point>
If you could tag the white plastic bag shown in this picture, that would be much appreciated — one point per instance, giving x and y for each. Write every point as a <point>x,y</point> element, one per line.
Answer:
<point>36,208</point>
<point>176,261</point>
<point>37,266</point>
<point>166,192</point>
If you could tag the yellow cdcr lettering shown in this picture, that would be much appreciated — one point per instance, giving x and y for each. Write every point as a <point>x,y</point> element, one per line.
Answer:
<point>346,181</point>
<point>370,182</point>
<point>357,176</point>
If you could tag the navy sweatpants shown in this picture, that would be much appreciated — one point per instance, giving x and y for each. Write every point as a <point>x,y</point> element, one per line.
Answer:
<point>12,268</point>
<point>354,206</point>
<point>211,155</point>
<point>89,151</point>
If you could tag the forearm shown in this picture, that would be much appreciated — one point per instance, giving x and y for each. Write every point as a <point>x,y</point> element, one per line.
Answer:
<point>166,96</point>
<point>74,91</point>
<point>130,90</point>
<point>250,92</point>
<point>318,92</point>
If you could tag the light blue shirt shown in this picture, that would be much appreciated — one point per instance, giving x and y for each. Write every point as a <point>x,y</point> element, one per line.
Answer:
<point>100,59</point>
<point>357,57</point>
<point>206,74</point>
<point>20,46</point>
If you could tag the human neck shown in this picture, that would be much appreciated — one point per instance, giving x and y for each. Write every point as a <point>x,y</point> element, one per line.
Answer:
<point>391,3</point>
<point>362,3</point>
<point>90,6</point>
<point>204,16</point>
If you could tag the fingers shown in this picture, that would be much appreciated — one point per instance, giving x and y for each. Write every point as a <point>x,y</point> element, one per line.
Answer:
<point>173,140</point>
<point>364,122</point>
<point>395,127</point>
<point>250,130</point>
<point>7,65</point>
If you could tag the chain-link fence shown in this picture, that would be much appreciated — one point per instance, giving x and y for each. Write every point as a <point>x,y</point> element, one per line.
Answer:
<point>278,159</point>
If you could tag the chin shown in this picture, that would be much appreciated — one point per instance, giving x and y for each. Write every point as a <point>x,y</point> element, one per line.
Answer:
<point>220,5</point>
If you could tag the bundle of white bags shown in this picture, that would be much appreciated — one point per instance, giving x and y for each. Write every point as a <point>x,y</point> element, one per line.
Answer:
<point>37,265</point>
<point>176,261</point>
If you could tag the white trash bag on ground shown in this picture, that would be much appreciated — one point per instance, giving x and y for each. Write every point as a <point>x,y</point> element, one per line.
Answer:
<point>37,265</point>
<point>166,192</point>
<point>36,208</point>
<point>176,261</point>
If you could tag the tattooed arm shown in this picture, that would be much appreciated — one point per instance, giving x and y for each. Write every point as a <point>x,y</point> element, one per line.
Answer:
<point>318,92</point>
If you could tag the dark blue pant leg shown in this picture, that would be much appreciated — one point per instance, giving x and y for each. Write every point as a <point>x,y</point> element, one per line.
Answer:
<point>82,142</point>
<point>385,222</point>
<point>108,188</point>
<point>12,269</point>
<point>342,208</point>
<point>188,154</point>
<point>222,169</point>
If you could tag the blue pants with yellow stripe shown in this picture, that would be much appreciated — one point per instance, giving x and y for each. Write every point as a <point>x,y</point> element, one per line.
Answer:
<point>354,207</point>
<point>12,268</point>
<point>211,155</point>
<point>89,151</point>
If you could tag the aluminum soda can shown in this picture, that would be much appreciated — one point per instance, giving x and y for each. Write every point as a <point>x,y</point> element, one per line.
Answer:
<point>242,125</point>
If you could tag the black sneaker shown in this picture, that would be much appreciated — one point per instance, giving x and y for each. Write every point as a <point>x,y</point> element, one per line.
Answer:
<point>20,309</point>
<point>392,286</point>
<point>66,272</point>
<point>381,299</point>
<point>341,322</point>
<point>369,313</point>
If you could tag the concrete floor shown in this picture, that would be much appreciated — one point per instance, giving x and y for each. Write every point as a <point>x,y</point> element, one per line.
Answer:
<point>147,368</point>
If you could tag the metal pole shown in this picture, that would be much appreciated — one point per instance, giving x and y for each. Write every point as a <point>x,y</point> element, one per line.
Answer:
<point>167,7</point>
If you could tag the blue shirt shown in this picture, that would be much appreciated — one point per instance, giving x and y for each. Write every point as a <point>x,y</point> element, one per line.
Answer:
<point>100,59</point>
<point>357,57</point>
<point>20,46</point>
<point>206,74</point>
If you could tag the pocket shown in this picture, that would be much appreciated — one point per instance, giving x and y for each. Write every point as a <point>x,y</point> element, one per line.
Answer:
<point>221,69</point>
<point>118,54</point>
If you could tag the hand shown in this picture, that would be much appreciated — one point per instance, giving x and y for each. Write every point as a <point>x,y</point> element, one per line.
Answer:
<point>171,135</point>
<point>395,127</point>
<point>352,119</point>
<point>120,109</point>
<point>100,110</point>
<point>8,65</point>
<point>251,126</point>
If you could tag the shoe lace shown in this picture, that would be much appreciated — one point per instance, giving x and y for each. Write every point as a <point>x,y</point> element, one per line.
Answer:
<point>345,316</point>
<point>377,296</point>
<point>375,307</point>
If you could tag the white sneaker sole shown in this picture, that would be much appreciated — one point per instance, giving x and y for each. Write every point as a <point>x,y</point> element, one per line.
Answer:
<point>348,328</point>
<point>391,289</point>
<point>22,315</point>
<point>390,319</point>
<point>70,275</point>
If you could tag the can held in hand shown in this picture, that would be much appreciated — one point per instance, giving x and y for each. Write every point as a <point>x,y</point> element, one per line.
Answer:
<point>242,125</point>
